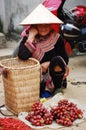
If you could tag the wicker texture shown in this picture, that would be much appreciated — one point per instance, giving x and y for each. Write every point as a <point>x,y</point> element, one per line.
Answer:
<point>21,83</point>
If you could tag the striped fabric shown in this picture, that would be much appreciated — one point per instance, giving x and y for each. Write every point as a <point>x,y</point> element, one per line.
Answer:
<point>45,46</point>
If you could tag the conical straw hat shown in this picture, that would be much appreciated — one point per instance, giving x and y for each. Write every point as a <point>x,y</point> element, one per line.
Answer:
<point>41,15</point>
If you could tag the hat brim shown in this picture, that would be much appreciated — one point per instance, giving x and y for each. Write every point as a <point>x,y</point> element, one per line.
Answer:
<point>40,15</point>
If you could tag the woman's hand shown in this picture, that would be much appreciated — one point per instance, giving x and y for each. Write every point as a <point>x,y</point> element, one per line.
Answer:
<point>32,33</point>
<point>45,66</point>
<point>66,73</point>
<point>31,37</point>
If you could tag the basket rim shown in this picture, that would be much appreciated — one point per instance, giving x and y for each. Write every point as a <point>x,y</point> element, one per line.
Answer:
<point>3,66</point>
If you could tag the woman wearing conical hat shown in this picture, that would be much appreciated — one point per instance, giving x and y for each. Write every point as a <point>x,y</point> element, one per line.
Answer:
<point>40,41</point>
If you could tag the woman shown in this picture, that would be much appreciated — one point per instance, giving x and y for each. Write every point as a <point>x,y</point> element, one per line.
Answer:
<point>43,43</point>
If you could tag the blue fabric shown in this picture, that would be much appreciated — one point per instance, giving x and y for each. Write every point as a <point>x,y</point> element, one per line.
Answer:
<point>46,94</point>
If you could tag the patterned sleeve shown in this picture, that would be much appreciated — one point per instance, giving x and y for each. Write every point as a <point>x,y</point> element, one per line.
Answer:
<point>23,52</point>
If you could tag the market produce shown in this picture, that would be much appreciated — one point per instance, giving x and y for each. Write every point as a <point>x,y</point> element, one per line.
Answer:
<point>13,124</point>
<point>39,115</point>
<point>64,113</point>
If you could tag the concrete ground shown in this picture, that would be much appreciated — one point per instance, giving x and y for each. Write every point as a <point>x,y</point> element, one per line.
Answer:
<point>76,85</point>
<point>7,51</point>
<point>76,80</point>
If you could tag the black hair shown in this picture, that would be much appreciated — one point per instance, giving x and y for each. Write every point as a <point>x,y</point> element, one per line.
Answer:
<point>57,77</point>
<point>57,61</point>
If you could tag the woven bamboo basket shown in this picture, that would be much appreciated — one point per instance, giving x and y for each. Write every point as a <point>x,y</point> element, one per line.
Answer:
<point>21,81</point>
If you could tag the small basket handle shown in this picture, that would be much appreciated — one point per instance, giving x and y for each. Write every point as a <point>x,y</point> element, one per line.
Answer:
<point>3,71</point>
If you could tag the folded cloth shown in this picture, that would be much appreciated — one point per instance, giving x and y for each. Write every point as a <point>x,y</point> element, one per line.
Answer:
<point>46,94</point>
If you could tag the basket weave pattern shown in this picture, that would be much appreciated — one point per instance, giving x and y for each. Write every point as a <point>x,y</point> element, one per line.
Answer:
<point>21,83</point>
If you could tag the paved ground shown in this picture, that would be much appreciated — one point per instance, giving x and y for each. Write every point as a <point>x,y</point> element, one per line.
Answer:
<point>7,52</point>
<point>76,86</point>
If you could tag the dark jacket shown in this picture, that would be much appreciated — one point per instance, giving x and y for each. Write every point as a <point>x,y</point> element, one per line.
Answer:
<point>58,50</point>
